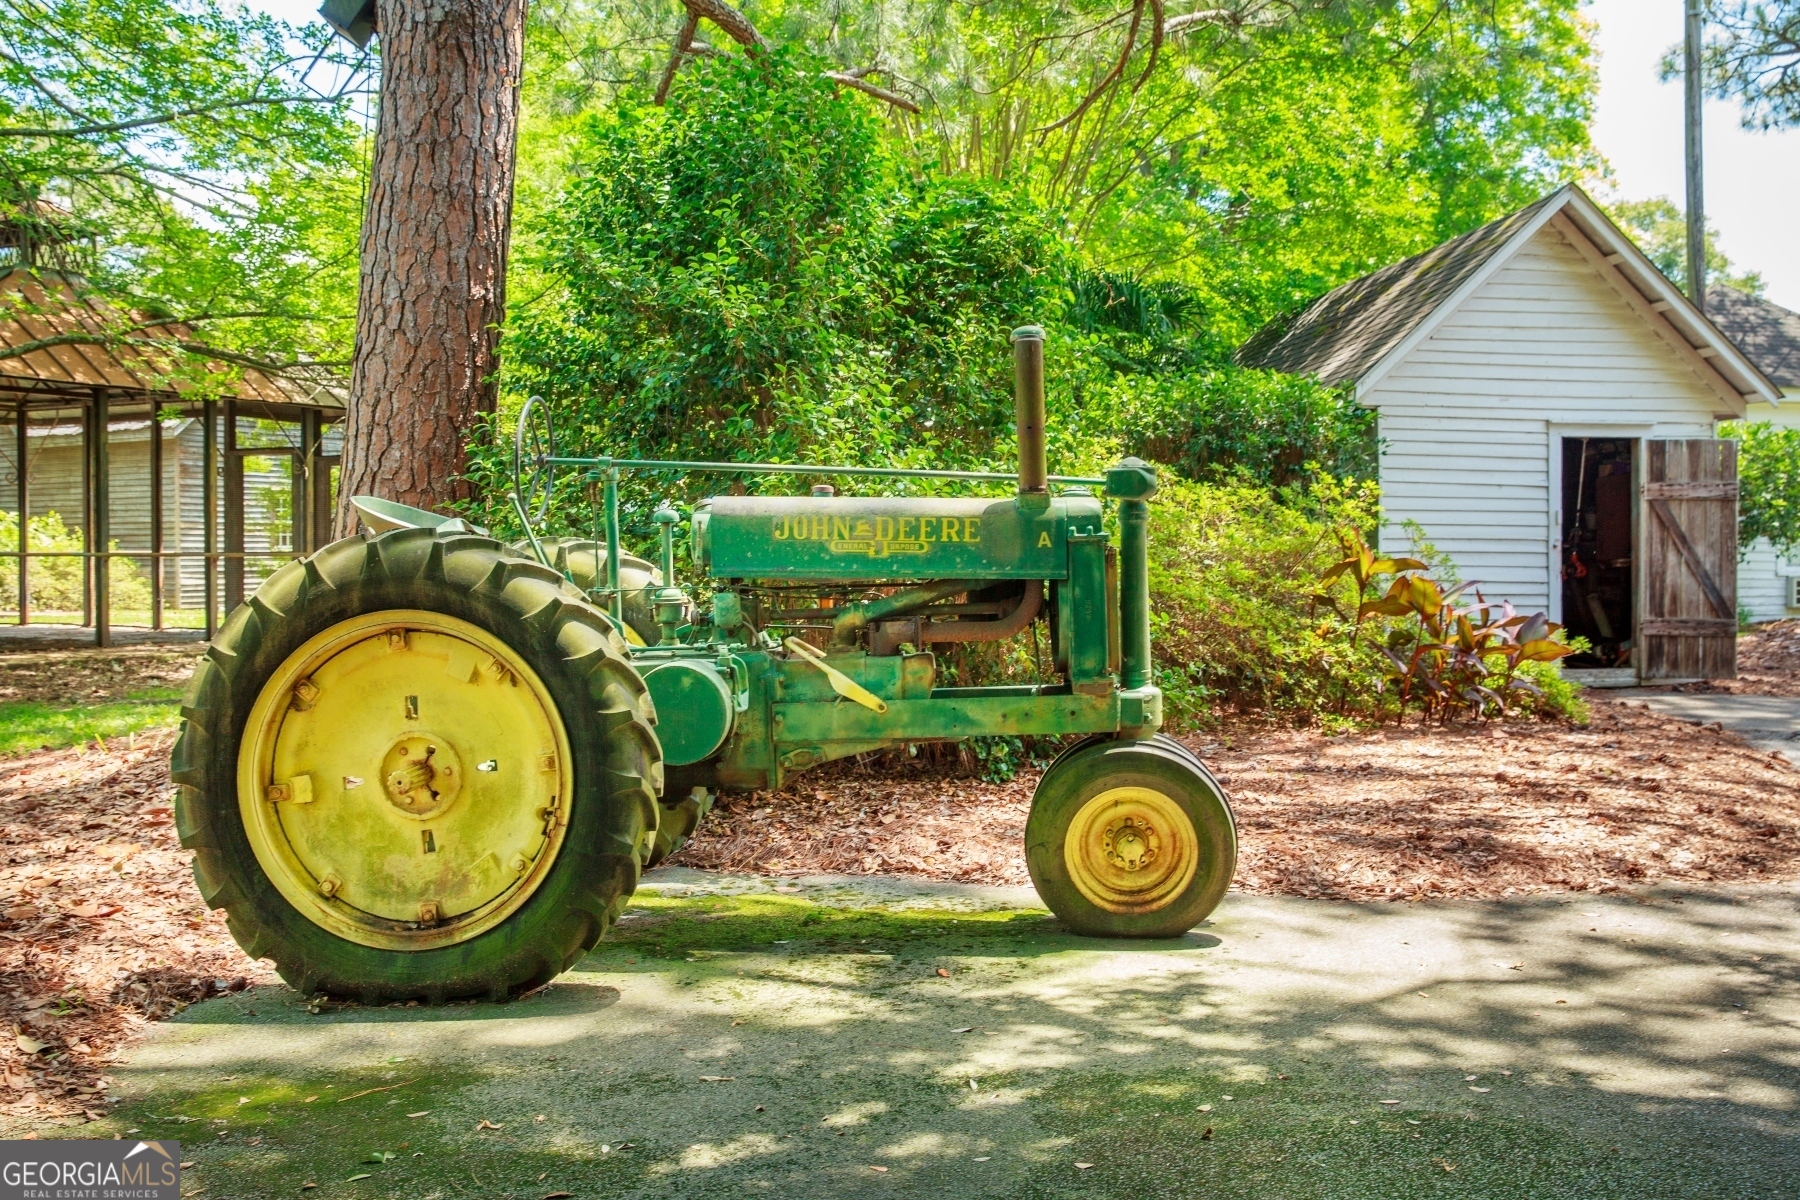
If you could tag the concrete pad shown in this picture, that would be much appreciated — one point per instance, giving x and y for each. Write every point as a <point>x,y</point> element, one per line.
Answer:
<point>1613,1045</point>
<point>1770,723</point>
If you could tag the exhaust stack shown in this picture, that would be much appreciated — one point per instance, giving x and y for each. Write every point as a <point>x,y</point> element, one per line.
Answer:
<point>1028,399</point>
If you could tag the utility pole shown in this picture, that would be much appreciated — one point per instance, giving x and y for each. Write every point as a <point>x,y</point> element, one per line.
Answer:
<point>1696,188</point>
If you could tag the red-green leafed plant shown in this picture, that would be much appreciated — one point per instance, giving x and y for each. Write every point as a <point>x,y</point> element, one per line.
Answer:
<point>1446,658</point>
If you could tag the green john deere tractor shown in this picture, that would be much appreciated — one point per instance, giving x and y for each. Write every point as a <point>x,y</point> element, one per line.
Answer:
<point>425,763</point>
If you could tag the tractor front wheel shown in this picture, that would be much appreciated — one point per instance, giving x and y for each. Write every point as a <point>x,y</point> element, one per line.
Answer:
<point>1130,839</point>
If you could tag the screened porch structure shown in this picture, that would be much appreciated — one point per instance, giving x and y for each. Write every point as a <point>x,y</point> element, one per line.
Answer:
<point>200,496</point>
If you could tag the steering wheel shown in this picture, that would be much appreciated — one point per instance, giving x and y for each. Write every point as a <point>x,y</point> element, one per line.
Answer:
<point>534,444</point>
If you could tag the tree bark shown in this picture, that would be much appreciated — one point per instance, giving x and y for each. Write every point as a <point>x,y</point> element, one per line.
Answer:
<point>434,246</point>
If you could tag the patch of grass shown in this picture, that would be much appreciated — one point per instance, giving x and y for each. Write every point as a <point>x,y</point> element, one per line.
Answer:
<point>27,725</point>
<point>671,927</point>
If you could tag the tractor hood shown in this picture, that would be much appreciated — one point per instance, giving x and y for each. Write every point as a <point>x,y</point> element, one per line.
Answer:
<point>889,538</point>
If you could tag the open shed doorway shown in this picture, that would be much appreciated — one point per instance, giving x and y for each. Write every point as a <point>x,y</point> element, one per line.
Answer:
<point>1598,545</point>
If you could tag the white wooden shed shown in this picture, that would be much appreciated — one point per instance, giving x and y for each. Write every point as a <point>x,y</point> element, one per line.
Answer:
<point>1769,335</point>
<point>1547,403</point>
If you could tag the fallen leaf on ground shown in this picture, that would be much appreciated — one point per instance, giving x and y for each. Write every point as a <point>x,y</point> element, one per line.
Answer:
<point>1206,1134</point>
<point>29,1044</point>
<point>305,1187</point>
<point>487,1124</point>
<point>540,1118</point>
<point>1204,1108</point>
<point>944,971</point>
<point>964,1029</point>
<point>1083,1166</point>
<point>422,1112</point>
<point>717,1078</point>
<point>882,1170</point>
<point>1473,1088</point>
<point>985,1158</point>
<point>354,1178</point>
<point>1390,1102</point>
<point>93,910</point>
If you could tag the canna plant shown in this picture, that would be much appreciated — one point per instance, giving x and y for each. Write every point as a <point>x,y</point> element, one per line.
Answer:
<point>1446,658</point>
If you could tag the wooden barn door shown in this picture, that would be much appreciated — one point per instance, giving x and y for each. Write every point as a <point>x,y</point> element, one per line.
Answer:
<point>1687,624</point>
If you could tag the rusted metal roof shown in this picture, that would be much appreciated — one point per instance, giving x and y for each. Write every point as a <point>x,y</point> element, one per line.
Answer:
<point>76,348</point>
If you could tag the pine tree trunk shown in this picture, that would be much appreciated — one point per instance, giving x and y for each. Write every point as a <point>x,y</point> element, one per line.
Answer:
<point>434,246</point>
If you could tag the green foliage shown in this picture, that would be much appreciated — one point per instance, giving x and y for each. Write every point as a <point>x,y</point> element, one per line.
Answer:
<point>1660,230</point>
<point>1232,422</point>
<point>749,275</point>
<point>1230,626</point>
<point>1237,627</point>
<point>56,582</point>
<point>1447,659</point>
<point>27,725</point>
<point>1769,483</point>
<point>184,160</point>
<point>1752,56</point>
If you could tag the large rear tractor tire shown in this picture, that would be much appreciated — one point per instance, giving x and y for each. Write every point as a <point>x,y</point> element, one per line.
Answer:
<point>1130,839</point>
<point>417,765</point>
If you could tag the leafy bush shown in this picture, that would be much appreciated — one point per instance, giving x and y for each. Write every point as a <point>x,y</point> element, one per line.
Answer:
<point>1445,659</point>
<point>1769,479</point>
<point>1277,429</point>
<point>1238,624</point>
<point>749,275</point>
<point>1231,618</point>
<point>56,582</point>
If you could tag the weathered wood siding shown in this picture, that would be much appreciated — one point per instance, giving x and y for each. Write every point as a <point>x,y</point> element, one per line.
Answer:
<point>1466,420</point>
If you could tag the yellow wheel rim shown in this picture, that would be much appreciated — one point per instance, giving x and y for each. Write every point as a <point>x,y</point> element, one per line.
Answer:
<point>1131,850</point>
<point>404,780</point>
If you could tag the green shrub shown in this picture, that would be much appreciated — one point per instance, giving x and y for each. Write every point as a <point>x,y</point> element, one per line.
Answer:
<point>1247,616</point>
<point>1232,620</point>
<point>56,582</point>
<point>1769,473</point>
<point>1232,422</point>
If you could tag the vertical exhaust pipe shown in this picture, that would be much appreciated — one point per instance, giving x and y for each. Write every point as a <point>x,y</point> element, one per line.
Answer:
<point>1028,400</point>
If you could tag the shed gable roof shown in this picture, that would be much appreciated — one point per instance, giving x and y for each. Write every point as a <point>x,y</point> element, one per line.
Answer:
<point>1358,332</point>
<point>1768,334</point>
<point>1342,335</point>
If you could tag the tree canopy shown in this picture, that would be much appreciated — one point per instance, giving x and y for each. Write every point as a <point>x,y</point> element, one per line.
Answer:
<point>189,162</point>
<point>1752,56</point>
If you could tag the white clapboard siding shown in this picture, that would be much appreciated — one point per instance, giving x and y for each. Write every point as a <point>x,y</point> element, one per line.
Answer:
<point>1764,582</point>
<point>1466,419</point>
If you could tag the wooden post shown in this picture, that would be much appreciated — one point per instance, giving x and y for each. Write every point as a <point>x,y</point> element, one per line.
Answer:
<point>1696,190</point>
<point>24,517</point>
<point>234,511</point>
<point>323,507</point>
<point>87,513</point>
<point>156,517</point>
<point>102,540</point>
<point>303,482</point>
<point>209,501</point>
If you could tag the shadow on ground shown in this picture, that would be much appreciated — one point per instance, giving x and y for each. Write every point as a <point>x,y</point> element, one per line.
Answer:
<point>736,1040</point>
